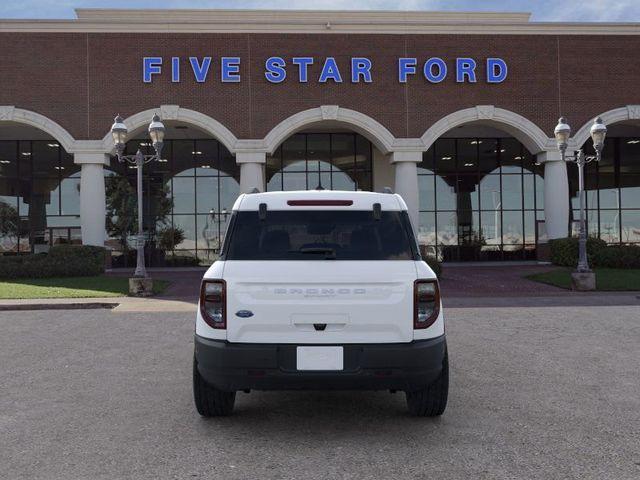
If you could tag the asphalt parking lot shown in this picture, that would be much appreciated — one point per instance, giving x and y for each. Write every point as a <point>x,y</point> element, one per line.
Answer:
<point>551,392</point>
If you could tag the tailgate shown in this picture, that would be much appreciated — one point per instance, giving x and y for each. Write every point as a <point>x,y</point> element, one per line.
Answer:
<point>319,302</point>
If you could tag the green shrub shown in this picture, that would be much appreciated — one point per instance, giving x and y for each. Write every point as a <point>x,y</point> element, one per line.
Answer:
<point>617,256</point>
<point>61,261</point>
<point>564,251</point>
<point>181,261</point>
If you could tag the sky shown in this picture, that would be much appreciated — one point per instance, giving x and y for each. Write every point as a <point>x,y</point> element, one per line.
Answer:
<point>542,10</point>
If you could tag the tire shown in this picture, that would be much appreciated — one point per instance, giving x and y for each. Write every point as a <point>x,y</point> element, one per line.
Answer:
<point>432,400</point>
<point>211,402</point>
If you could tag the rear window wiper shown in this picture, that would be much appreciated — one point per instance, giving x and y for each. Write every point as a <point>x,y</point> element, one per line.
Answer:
<point>330,253</point>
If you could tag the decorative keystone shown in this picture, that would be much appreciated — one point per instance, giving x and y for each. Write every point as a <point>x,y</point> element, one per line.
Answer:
<point>169,112</point>
<point>329,112</point>
<point>6,112</point>
<point>485,112</point>
<point>634,112</point>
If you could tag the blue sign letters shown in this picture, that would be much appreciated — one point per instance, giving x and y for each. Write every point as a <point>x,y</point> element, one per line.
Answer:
<point>434,69</point>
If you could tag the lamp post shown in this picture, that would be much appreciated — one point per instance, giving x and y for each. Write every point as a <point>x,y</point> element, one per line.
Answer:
<point>562,133</point>
<point>119,133</point>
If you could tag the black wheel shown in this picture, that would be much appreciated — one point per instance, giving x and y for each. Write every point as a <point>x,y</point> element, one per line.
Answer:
<point>211,402</point>
<point>431,401</point>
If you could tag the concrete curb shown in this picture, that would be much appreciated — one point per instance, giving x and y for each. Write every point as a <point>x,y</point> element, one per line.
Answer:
<point>57,306</point>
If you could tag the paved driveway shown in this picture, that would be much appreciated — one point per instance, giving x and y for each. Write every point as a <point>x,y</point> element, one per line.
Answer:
<point>544,393</point>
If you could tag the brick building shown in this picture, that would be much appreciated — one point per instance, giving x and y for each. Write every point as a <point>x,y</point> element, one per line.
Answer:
<point>455,111</point>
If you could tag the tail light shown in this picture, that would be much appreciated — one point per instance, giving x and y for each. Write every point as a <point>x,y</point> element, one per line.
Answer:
<point>213,303</point>
<point>426,303</point>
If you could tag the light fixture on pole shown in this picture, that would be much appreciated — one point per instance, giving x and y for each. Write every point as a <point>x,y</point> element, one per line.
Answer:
<point>119,133</point>
<point>562,133</point>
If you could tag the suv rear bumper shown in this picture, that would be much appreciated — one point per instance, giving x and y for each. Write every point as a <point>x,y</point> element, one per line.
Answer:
<point>385,366</point>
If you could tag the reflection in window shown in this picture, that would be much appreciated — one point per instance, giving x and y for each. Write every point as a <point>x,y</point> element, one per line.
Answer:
<point>39,196</point>
<point>612,188</point>
<point>479,199</point>
<point>333,161</point>
<point>201,178</point>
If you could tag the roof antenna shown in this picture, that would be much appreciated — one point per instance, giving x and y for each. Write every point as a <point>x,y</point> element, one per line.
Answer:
<point>255,190</point>
<point>387,190</point>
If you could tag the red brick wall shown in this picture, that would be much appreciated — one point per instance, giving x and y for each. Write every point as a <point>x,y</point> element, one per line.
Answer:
<point>82,80</point>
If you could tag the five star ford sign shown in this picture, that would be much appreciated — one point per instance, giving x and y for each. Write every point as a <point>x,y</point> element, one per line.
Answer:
<point>361,69</point>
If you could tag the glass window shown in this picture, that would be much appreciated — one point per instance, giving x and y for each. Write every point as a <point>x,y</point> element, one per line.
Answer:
<point>184,152</point>
<point>343,181</point>
<point>447,228</point>
<point>183,190</point>
<point>511,155</point>
<point>8,159</point>
<point>318,152</point>
<point>630,226</point>
<point>45,157</point>
<point>427,164</point>
<point>426,194</point>
<point>206,158</point>
<point>445,194</point>
<point>488,155</point>
<point>343,152</point>
<point>207,194</point>
<point>630,191</point>
<point>490,198</point>
<point>446,156</point>
<point>512,228</point>
<point>338,161</point>
<point>294,154</point>
<point>188,224</point>
<point>320,235</point>
<point>70,196</point>
<point>610,226</point>
<point>512,192</point>
<point>467,154</point>
<point>629,155</point>
<point>427,228</point>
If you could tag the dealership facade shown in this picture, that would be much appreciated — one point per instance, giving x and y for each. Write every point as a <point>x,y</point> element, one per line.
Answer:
<point>454,111</point>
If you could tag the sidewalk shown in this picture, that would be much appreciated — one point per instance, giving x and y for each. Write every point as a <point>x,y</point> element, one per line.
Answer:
<point>463,286</point>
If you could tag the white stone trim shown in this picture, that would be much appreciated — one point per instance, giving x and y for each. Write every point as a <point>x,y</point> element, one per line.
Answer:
<point>176,113</point>
<point>356,121</point>
<point>629,112</point>
<point>531,136</point>
<point>10,113</point>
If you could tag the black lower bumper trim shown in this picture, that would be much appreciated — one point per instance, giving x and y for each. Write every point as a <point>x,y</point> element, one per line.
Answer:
<point>393,366</point>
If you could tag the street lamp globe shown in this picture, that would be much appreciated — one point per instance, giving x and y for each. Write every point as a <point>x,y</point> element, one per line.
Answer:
<point>119,133</point>
<point>156,132</point>
<point>562,133</point>
<point>598,133</point>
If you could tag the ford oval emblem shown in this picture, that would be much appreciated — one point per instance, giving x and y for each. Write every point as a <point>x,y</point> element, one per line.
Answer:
<point>244,313</point>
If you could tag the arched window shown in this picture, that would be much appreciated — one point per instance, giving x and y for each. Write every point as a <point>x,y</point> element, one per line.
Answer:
<point>201,181</point>
<point>334,161</point>
<point>480,199</point>
<point>39,195</point>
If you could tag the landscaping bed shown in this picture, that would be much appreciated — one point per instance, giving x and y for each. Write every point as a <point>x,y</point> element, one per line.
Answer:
<point>607,279</point>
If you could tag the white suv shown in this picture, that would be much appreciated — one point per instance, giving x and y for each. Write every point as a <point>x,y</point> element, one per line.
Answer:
<point>320,290</point>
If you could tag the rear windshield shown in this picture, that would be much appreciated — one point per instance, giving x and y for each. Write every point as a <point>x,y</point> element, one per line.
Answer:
<point>319,235</point>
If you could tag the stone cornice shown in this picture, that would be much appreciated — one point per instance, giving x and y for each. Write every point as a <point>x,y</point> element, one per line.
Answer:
<point>297,21</point>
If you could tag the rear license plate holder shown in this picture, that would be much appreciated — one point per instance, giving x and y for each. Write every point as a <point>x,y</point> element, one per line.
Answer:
<point>320,358</point>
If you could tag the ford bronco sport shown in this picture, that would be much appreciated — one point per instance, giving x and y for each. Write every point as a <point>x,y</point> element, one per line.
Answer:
<point>320,290</point>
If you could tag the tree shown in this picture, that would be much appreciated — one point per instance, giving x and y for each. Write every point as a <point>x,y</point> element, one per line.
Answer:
<point>122,209</point>
<point>9,221</point>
